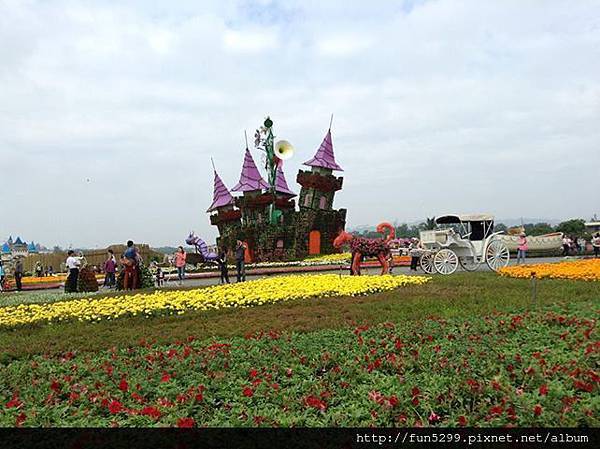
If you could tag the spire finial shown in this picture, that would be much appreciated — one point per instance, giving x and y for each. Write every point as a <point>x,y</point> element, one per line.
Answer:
<point>213,163</point>
<point>246,138</point>
<point>331,120</point>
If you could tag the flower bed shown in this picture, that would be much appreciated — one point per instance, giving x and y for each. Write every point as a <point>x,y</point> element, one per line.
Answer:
<point>246,294</point>
<point>583,270</point>
<point>526,370</point>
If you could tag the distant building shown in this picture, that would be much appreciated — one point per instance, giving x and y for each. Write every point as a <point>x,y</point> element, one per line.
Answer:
<point>592,227</point>
<point>18,248</point>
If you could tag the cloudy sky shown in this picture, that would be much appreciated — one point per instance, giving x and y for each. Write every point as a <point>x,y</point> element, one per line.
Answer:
<point>447,105</point>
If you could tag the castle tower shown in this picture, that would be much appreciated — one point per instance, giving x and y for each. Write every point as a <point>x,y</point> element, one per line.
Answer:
<point>319,185</point>
<point>226,217</point>
<point>251,184</point>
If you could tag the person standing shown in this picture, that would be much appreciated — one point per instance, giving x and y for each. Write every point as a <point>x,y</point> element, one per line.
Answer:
<point>110,269</point>
<point>240,253</point>
<point>596,244</point>
<point>39,270</point>
<point>180,261</point>
<point>565,245</point>
<point>222,261</point>
<point>19,274</point>
<point>2,276</point>
<point>414,249</point>
<point>73,263</point>
<point>522,248</point>
<point>130,261</point>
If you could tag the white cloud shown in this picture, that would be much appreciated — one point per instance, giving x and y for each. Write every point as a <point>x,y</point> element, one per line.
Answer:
<point>438,105</point>
<point>252,41</point>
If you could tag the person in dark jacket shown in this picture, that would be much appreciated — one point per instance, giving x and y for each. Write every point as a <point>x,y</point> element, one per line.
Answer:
<point>19,273</point>
<point>222,261</point>
<point>240,253</point>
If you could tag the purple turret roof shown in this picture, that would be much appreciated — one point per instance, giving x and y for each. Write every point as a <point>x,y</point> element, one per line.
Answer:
<point>281,184</point>
<point>221,196</point>
<point>324,156</point>
<point>250,178</point>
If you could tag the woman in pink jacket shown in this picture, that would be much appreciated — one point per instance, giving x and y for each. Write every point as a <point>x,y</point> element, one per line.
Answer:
<point>180,257</point>
<point>522,249</point>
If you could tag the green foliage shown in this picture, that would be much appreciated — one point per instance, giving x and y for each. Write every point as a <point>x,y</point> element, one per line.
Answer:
<point>532,369</point>
<point>538,228</point>
<point>574,227</point>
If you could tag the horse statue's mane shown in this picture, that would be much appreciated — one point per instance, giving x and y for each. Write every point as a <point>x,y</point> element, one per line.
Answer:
<point>201,247</point>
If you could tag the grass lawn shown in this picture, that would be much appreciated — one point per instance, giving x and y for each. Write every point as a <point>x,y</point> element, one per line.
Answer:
<point>460,295</point>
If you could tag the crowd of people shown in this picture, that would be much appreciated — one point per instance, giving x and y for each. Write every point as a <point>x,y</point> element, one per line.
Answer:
<point>131,261</point>
<point>572,246</point>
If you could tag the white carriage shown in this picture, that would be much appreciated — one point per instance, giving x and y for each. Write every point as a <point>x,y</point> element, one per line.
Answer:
<point>465,240</point>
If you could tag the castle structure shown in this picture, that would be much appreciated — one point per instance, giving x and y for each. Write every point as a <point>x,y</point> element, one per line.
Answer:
<point>308,229</point>
<point>17,248</point>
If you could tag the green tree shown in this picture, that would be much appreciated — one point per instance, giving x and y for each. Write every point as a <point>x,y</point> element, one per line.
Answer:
<point>538,228</point>
<point>574,227</point>
<point>500,227</point>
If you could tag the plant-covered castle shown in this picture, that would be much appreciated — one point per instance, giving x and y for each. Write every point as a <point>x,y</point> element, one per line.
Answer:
<point>297,232</point>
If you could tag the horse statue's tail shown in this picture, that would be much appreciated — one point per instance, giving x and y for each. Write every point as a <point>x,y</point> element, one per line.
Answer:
<point>392,231</point>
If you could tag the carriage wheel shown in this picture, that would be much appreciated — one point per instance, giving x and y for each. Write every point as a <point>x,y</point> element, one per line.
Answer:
<point>426,262</point>
<point>445,261</point>
<point>497,255</point>
<point>469,263</point>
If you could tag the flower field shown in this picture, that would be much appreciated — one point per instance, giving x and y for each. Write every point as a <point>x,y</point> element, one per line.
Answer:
<point>523,369</point>
<point>581,270</point>
<point>247,294</point>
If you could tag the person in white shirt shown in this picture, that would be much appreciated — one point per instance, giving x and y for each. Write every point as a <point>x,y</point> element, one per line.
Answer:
<point>73,263</point>
<point>596,244</point>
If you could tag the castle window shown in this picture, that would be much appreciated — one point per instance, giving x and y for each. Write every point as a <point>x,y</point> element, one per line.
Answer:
<point>323,203</point>
<point>308,200</point>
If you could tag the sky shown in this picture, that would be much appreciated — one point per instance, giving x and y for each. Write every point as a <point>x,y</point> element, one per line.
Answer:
<point>111,110</point>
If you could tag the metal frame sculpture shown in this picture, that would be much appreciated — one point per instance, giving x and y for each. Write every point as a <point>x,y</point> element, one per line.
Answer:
<point>361,247</point>
<point>276,153</point>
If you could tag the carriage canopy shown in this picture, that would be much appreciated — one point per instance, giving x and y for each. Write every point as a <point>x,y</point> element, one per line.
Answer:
<point>463,218</point>
<point>476,226</point>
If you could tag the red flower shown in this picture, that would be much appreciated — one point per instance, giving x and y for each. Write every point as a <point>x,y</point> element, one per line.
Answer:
<point>153,412</point>
<point>166,377</point>
<point>115,407</point>
<point>123,385</point>
<point>55,386</point>
<point>199,397</point>
<point>253,373</point>
<point>20,419</point>
<point>583,386</point>
<point>543,390</point>
<point>315,402</point>
<point>248,392</point>
<point>537,410</point>
<point>496,410</point>
<point>433,418</point>
<point>15,402</point>
<point>288,372</point>
<point>462,421</point>
<point>415,391</point>
<point>186,422</point>
<point>415,401</point>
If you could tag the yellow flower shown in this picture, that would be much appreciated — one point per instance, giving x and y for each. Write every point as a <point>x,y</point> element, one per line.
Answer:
<point>583,270</point>
<point>246,294</point>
